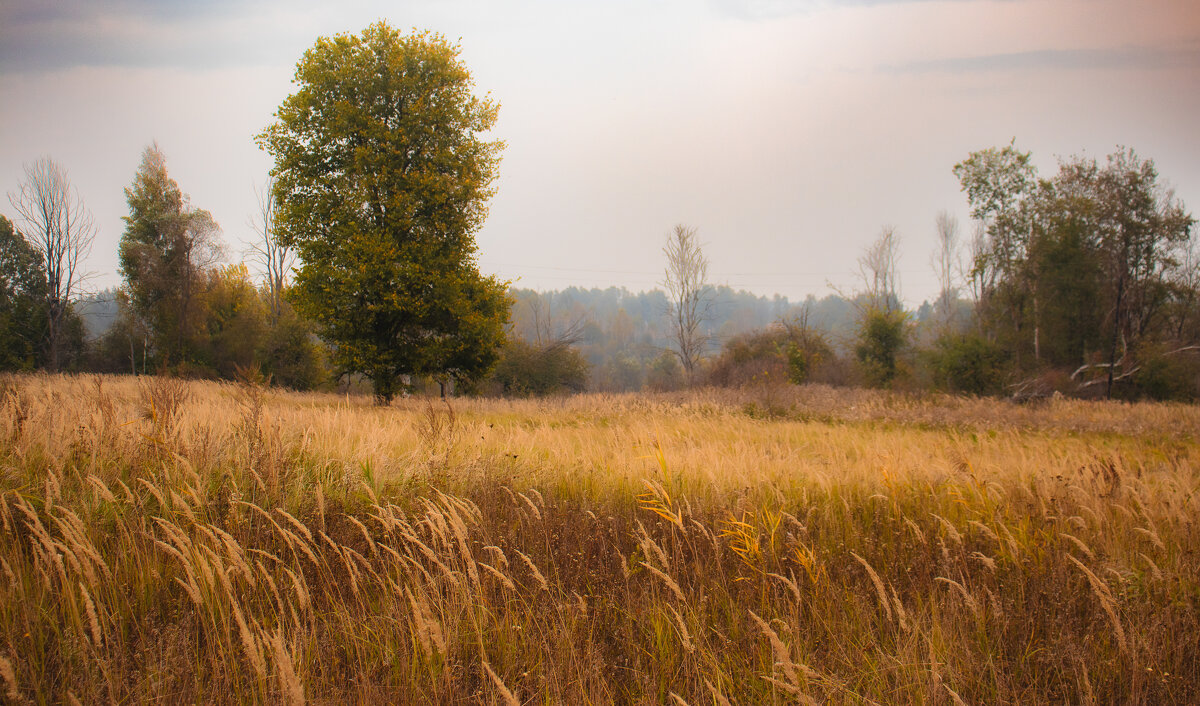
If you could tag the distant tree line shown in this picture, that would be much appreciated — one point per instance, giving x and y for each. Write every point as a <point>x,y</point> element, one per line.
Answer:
<point>1091,272</point>
<point>1082,283</point>
<point>1086,283</point>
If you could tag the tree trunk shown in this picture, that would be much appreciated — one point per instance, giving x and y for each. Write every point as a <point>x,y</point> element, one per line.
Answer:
<point>1037,325</point>
<point>52,335</point>
<point>1112,350</point>
<point>385,388</point>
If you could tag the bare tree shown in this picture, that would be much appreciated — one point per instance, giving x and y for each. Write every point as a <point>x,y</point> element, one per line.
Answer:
<point>61,229</point>
<point>943,261</point>
<point>276,260</point>
<point>878,268</point>
<point>689,295</point>
<point>976,271</point>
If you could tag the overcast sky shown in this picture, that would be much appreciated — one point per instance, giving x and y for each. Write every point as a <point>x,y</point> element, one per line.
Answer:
<point>788,132</point>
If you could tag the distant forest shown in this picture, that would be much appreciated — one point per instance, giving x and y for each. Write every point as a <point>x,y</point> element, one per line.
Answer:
<point>625,337</point>
<point>1085,284</point>
<point>619,334</point>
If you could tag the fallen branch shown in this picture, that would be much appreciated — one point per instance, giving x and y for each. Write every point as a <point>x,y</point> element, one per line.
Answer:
<point>1116,378</point>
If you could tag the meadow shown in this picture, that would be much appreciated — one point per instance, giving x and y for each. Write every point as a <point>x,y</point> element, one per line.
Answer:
<point>195,542</point>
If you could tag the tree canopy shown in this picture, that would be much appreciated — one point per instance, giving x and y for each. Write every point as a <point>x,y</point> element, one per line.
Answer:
<point>382,176</point>
<point>22,300</point>
<point>165,251</point>
<point>1085,269</point>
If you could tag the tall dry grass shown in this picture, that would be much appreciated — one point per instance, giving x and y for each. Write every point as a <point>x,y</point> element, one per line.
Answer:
<point>202,542</point>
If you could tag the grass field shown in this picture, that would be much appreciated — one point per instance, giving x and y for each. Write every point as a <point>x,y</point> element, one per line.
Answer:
<point>178,542</point>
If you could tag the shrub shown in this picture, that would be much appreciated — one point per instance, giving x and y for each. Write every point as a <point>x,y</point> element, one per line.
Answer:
<point>796,354</point>
<point>292,355</point>
<point>882,334</point>
<point>968,363</point>
<point>526,369</point>
<point>665,373</point>
<point>1168,375</point>
<point>621,373</point>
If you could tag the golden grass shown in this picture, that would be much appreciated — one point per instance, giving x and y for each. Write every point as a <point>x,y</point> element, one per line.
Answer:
<point>205,542</point>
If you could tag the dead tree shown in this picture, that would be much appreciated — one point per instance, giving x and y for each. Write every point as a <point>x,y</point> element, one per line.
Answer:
<point>943,261</point>
<point>689,296</point>
<point>57,224</point>
<point>878,267</point>
<point>275,259</point>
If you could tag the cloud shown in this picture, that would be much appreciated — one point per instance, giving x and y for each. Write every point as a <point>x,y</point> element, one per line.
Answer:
<point>1134,58</point>
<point>23,15</point>
<point>45,36</point>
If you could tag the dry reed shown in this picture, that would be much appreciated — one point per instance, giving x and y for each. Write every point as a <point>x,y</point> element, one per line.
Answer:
<point>202,542</point>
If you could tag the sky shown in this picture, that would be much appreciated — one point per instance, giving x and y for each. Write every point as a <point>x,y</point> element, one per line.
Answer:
<point>788,133</point>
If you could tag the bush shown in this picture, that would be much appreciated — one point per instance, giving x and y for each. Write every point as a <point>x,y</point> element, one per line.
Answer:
<point>968,363</point>
<point>796,354</point>
<point>235,324</point>
<point>526,369</point>
<point>665,373</point>
<point>1166,375</point>
<point>882,334</point>
<point>292,356</point>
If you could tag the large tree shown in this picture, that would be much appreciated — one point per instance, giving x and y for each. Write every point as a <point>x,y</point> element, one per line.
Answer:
<point>166,250</point>
<point>382,175</point>
<point>1140,229</point>
<point>1085,269</point>
<point>1000,184</point>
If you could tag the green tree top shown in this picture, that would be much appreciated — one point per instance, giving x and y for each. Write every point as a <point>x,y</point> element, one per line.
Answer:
<point>166,247</point>
<point>382,180</point>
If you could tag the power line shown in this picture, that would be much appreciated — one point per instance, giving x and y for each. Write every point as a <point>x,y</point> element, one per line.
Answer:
<point>656,273</point>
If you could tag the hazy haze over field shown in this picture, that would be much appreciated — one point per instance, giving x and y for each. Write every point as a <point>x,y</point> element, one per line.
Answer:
<point>788,133</point>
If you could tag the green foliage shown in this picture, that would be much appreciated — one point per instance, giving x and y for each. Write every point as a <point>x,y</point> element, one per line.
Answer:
<point>1067,283</point>
<point>882,334</point>
<point>526,369</point>
<point>381,182</point>
<point>164,252</point>
<point>968,363</point>
<point>799,364</point>
<point>121,348</point>
<point>235,322</point>
<point>22,301</point>
<point>996,180</point>
<point>236,334</point>
<point>1085,267</point>
<point>72,340</point>
<point>291,354</point>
